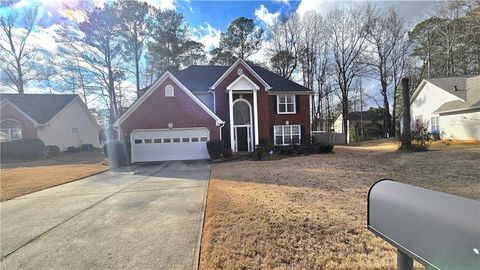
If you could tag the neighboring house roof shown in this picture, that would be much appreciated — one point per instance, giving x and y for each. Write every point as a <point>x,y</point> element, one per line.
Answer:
<point>471,99</point>
<point>39,107</point>
<point>453,85</point>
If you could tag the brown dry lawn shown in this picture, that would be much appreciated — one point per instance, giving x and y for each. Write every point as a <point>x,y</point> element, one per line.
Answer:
<point>310,212</point>
<point>18,179</point>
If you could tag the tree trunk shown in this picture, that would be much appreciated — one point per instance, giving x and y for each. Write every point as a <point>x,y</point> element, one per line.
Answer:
<point>20,87</point>
<point>406,134</point>
<point>345,114</point>
<point>386,111</point>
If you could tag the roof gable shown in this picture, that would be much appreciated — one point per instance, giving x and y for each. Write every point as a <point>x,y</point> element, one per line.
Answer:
<point>242,83</point>
<point>40,107</point>
<point>154,87</point>
<point>244,64</point>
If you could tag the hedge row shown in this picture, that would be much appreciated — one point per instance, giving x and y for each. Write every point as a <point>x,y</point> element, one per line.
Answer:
<point>26,149</point>
<point>22,149</point>
<point>262,151</point>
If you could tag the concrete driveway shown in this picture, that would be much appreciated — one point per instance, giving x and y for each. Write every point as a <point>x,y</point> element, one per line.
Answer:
<point>140,217</point>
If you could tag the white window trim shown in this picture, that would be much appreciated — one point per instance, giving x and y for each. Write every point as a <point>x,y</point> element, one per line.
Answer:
<point>169,91</point>
<point>435,123</point>
<point>294,104</point>
<point>291,134</point>
<point>9,130</point>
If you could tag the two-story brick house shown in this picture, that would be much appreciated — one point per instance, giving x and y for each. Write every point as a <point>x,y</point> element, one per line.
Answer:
<point>240,104</point>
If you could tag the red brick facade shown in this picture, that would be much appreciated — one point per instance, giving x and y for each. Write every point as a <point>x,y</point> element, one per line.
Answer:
<point>267,116</point>
<point>28,127</point>
<point>157,111</point>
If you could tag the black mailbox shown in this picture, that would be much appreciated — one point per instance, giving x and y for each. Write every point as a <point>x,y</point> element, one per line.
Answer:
<point>439,230</point>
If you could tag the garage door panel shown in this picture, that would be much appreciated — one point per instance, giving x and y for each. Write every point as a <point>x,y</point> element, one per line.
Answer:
<point>175,144</point>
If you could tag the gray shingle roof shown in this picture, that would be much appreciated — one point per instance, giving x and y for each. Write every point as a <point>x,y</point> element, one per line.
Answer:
<point>200,78</point>
<point>40,107</point>
<point>470,94</point>
<point>448,84</point>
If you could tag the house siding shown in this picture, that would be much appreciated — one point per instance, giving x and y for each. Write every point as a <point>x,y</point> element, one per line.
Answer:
<point>428,100</point>
<point>28,127</point>
<point>461,126</point>
<point>157,111</point>
<point>59,131</point>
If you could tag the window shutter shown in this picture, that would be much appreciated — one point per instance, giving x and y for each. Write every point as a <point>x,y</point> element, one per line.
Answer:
<point>274,104</point>
<point>302,134</point>
<point>297,103</point>
<point>272,135</point>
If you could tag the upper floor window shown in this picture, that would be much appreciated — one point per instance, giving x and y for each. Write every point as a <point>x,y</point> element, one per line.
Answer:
<point>169,91</point>
<point>286,104</point>
<point>74,130</point>
<point>10,130</point>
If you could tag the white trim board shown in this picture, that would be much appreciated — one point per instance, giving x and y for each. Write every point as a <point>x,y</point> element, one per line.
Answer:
<point>155,86</point>
<point>35,123</point>
<point>231,87</point>
<point>247,66</point>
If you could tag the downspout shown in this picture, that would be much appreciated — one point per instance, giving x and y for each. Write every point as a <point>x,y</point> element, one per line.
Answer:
<point>221,126</point>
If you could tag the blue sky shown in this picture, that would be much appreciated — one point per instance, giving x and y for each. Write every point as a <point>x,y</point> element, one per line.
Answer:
<point>207,19</point>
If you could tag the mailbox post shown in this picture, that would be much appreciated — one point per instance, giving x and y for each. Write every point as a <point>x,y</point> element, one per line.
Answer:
<point>439,230</point>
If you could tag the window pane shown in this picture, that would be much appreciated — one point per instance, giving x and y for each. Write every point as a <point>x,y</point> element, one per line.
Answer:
<point>241,113</point>
<point>295,139</point>
<point>176,139</point>
<point>278,130</point>
<point>290,107</point>
<point>287,139</point>
<point>148,140</point>
<point>185,139</point>
<point>281,99</point>
<point>289,99</point>
<point>167,140</point>
<point>194,139</point>
<point>138,141</point>
<point>203,139</point>
<point>157,140</point>
<point>278,140</point>
<point>287,130</point>
<point>295,130</point>
<point>281,108</point>
<point>10,124</point>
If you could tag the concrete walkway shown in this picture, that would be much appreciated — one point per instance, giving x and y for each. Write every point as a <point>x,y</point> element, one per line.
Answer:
<point>141,217</point>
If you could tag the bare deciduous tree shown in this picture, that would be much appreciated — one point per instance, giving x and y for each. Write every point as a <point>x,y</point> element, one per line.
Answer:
<point>347,34</point>
<point>18,57</point>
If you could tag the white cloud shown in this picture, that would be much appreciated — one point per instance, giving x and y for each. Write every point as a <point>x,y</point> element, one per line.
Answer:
<point>316,5</point>
<point>286,2</point>
<point>262,14</point>
<point>166,4</point>
<point>206,34</point>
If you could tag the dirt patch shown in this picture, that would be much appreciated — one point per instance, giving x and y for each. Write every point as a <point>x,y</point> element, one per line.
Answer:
<point>24,178</point>
<point>310,212</point>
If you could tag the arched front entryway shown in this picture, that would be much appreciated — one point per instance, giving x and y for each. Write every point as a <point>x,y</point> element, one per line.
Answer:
<point>242,125</point>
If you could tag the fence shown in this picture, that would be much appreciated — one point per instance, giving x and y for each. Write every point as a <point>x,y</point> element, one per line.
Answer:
<point>329,137</point>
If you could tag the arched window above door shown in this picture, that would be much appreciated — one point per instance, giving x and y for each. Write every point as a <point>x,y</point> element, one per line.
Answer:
<point>241,113</point>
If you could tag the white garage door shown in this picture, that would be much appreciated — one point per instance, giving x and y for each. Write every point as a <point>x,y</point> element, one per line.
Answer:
<point>174,144</point>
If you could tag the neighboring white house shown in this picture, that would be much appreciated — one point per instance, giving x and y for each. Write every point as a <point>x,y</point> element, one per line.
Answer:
<point>451,105</point>
<point>61,120</point>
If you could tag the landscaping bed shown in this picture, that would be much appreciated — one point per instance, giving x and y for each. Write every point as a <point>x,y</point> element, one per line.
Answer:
<point>310,212</point>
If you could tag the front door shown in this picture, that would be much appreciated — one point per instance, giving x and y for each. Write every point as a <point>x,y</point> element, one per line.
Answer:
<point>242,139</point>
